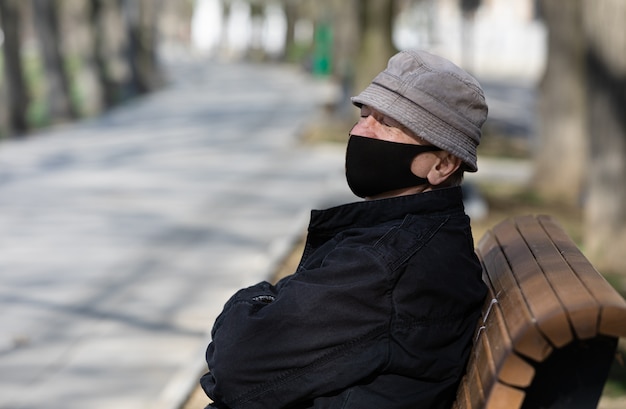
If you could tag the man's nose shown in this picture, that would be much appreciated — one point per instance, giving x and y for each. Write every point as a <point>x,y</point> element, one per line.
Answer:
<point>366,126</point>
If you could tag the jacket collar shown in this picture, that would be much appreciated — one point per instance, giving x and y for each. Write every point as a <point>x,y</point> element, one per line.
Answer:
<point>371,212</point>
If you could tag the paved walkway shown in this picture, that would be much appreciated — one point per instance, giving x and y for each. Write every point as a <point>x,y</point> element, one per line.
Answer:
<point>122,237</point>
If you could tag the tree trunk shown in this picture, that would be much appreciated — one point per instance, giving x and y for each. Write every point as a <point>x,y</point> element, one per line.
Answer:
<point>291,15</point>
<point>256,49</point>
<point>109,87</point>
<point>561,154</point>
<point>17,94</point>
<point>60,106</point>
<point>376,18</point>
<point>346,51</point>
<point>224,40</point>
<point>141,27</point>
<point>605,212</point>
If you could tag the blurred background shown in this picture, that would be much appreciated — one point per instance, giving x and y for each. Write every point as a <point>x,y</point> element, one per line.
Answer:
<point>554,73</point>
<point>68,59</point>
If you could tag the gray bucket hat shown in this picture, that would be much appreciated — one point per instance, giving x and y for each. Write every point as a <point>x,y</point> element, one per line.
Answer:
<point>433,98</point>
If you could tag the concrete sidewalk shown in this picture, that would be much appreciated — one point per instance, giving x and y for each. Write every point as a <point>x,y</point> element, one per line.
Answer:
<point>121,237</point>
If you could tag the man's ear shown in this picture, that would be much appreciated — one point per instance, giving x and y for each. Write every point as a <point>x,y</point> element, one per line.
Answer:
<point>445,165</point>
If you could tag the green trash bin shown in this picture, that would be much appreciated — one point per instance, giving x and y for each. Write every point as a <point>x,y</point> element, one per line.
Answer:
<point>323,50</point>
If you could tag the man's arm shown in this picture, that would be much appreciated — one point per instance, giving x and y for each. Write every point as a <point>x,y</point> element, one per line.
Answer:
<point>318,332</point>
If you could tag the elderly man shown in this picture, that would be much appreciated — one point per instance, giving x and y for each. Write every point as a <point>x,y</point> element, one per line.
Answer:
<point>381,311</point>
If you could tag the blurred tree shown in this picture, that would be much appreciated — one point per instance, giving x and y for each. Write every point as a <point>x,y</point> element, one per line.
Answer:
<point>561,157</point>
<point>376,43</point>
<point>223,41</point>
<point>605,210</point>
<point>292,14</point>
<point>141,27</point>
<point>116,60</point>
<point>110,88</point>
<point>469,6</point>
<point>17,92</point>
<point>468,13</point>
<point>46,19</point>
<point>582,151</point>
<point>346,50</point>
<point>256,51</point>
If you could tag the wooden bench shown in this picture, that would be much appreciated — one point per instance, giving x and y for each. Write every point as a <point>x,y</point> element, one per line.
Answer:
<point>550,324</point>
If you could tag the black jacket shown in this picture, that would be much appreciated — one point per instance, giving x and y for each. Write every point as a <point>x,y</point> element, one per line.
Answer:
<point>379,314</point>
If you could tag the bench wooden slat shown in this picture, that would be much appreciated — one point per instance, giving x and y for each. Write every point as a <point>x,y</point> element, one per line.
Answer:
<point>475,392</point>
<point>516,372</point>
<point>505,397</point>
<point>612,320</point>
<point>484,362</point>
<point>526,339</point>
<point>510,368</point>
<point>543,303</point>
<point>582,310</point>
<point>493,342</point>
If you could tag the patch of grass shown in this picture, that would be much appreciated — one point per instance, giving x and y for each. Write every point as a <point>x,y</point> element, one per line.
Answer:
<point>327,128</point>
<point>298,53</point>
<point>509,200</point>
<point>618,281</point>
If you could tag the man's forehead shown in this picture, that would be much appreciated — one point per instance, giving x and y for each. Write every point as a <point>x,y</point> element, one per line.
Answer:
<point>366,109</point>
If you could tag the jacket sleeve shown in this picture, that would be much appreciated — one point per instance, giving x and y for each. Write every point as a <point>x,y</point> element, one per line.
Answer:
<point>316,332</point>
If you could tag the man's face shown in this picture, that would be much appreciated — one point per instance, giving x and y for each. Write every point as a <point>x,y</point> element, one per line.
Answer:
<point>376,125</point>
<point>434,166</point>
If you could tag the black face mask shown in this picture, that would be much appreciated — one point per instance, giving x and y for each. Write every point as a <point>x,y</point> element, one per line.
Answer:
<point>374,166</point>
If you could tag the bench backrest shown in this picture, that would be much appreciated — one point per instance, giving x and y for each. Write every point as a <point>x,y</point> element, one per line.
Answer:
<point>550,324</point>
